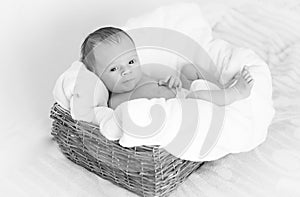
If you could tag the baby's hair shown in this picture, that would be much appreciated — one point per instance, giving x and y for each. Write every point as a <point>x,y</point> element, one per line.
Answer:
<point>104,35</point>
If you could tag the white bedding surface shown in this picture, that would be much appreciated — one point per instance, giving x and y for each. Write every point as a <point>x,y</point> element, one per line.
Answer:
<point>272,169</point>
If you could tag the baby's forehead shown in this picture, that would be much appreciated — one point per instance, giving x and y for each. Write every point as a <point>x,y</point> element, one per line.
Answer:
<point>113,53</point>
<point>106,54</point>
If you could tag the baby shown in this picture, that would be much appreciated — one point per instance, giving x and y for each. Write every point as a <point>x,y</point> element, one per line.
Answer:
<point>110,53</point>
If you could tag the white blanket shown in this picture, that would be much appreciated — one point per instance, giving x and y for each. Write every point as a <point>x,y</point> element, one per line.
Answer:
<point>216,131</point>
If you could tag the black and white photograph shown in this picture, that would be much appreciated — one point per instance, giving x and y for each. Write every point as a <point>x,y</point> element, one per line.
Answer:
<point>127,98</point>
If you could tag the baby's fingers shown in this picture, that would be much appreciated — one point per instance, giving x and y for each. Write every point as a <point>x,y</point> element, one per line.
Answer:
<point>177,84</point>
<point>180,84</point>
<point>171,82</point>
<point>164,81</point>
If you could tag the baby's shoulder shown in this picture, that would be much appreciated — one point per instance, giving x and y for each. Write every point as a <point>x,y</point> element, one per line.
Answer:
<point>116,99</point>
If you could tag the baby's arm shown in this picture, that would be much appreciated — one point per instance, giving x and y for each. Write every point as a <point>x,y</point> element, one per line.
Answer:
<point>172,81</point>
<point>240,90</point>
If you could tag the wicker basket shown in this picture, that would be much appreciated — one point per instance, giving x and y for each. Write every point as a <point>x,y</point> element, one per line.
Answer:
<point>144,170</point>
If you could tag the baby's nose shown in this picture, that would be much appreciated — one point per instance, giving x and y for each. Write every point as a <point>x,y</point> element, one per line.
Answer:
<point>126,71</point>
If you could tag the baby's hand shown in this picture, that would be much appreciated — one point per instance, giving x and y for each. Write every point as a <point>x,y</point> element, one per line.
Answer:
<point>244,83</point>
<point>171,81</point>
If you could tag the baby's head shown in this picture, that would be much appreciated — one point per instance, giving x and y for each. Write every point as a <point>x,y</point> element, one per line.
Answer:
<point>110,53</point>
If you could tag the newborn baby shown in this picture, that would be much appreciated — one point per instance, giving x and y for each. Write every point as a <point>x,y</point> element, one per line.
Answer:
<point>111,54</point>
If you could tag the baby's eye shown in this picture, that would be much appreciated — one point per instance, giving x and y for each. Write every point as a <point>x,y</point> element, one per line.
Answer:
<point>113,69</point>
<point>132,61</point>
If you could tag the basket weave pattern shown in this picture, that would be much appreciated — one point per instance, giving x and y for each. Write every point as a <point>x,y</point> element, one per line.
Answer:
<point>144,170</point>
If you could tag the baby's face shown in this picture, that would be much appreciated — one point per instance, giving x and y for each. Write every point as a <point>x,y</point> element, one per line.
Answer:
<point>118,65</point>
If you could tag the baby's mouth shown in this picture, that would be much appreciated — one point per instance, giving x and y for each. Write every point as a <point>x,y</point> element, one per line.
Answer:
<point>128,80</point>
